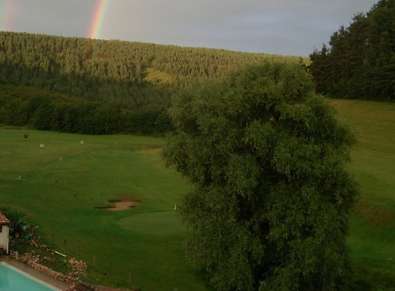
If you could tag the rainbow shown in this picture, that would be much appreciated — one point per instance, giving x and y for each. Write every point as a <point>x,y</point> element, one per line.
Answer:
<point>6,14</point>
<point>99,12</point>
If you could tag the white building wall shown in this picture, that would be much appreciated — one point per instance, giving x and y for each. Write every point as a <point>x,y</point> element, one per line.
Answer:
<point>4,237</point>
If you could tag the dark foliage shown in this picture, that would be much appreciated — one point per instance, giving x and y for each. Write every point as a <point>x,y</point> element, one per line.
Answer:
<point>44,110</point>
<point>272,197</point>
<point>20,230</point>
<point>360,60</point>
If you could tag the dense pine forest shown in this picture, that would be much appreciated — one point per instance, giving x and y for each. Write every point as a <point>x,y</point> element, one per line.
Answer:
<point>95,86</point>
<point>360,60</point>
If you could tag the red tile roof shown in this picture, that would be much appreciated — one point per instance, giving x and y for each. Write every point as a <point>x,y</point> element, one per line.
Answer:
<point>3,220</point>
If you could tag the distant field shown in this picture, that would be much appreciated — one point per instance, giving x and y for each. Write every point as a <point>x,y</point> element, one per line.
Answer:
<point>63,183</point>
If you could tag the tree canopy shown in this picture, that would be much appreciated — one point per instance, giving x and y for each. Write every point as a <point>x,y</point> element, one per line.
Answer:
<point>360,59</point>
<point>271,198</point>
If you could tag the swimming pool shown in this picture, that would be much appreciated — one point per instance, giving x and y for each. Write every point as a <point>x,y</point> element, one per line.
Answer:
<point>12,279</point>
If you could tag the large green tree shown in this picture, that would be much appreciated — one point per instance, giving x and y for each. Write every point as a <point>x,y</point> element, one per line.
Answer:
<point>271,198</point>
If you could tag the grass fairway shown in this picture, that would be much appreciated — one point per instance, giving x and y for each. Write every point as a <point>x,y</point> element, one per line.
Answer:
<point>63,183</point>
<point>372,237</point>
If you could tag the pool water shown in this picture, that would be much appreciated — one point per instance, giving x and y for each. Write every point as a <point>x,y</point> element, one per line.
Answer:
<point>13,280</point>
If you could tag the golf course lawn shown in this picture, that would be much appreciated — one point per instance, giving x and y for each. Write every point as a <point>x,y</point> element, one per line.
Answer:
<point>372,232</point>
<point>63,183</point>
<point>59,187</point>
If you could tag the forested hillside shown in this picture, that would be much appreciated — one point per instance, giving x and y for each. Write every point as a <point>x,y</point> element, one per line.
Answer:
<point>111,69</point>
<point>96,86</point>
<point>360,60</point>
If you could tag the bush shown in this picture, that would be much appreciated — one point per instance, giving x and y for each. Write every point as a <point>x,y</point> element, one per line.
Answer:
<point>20,229</point>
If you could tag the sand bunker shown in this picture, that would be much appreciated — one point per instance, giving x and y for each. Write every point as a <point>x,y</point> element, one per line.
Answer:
<point>375,215</point>
<point>120,204</point>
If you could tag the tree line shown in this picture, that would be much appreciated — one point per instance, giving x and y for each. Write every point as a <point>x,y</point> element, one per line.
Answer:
<point>359,61</point>
<point>43,110</point>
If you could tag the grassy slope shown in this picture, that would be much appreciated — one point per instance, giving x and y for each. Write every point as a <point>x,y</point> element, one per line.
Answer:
<point>145,245</point>
<point>64,182</point>
<point>372,239</point>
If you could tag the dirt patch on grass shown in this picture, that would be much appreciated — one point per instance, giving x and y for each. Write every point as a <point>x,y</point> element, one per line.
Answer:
<point>122,204</point>
<point>375,215</point>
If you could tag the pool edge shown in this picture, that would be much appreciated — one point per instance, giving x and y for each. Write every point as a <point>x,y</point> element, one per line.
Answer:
<point>34,275</point>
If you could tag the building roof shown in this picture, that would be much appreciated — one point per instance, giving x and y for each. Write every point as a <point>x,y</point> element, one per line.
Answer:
<point>3,219</point>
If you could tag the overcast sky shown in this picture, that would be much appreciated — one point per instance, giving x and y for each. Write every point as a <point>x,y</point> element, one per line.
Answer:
<point>275,26</point>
